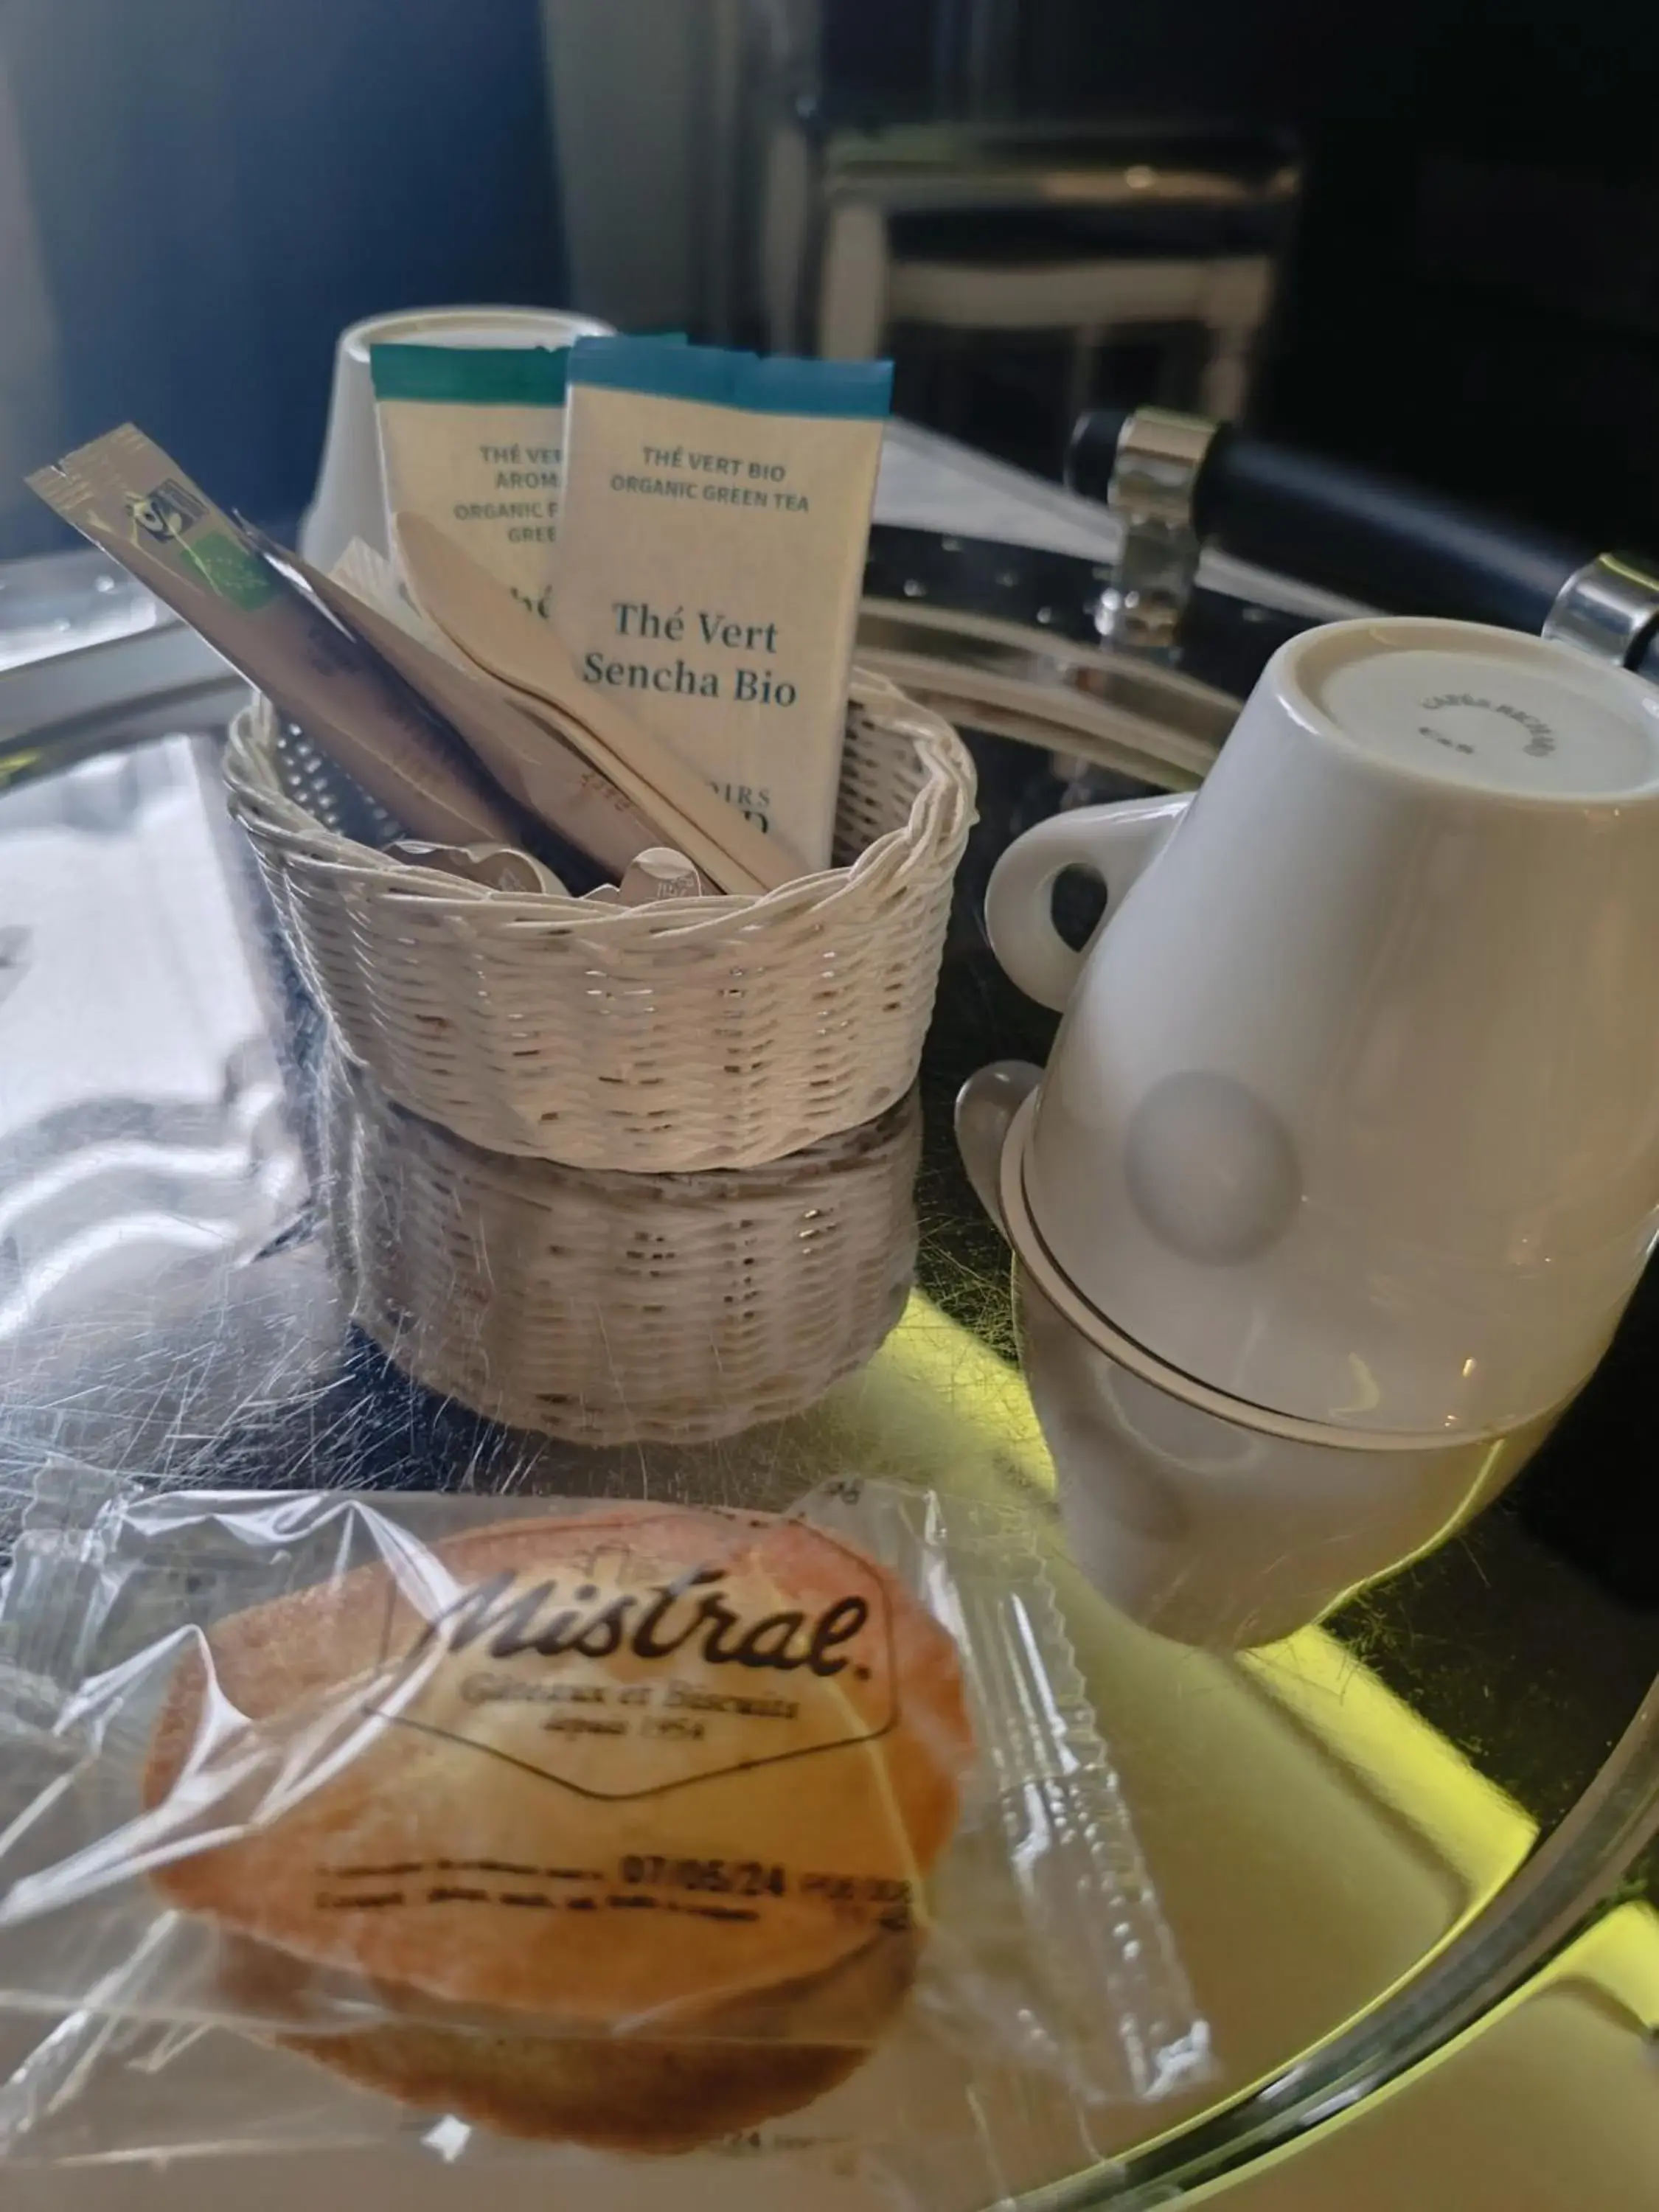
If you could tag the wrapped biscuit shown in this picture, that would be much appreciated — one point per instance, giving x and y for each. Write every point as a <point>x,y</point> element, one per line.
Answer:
<point>626,1825</point>
<point>576,1818</point>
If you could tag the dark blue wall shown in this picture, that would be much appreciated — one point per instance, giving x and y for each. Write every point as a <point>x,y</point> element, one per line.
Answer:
<point>224,183</point>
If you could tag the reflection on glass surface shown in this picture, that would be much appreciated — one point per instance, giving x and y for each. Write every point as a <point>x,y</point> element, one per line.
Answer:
<point>144,1152</point>
<point>67,600</point>
<point>185,1239</point>
<point>615,1308</point>
<point>1549,2102</point>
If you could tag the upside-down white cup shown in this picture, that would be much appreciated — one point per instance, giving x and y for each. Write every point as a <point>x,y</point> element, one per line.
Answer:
<point>350,496</point>
<point>1354,1112</point>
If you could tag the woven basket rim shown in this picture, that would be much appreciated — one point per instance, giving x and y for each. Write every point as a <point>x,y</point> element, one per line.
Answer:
<point>941,812</point>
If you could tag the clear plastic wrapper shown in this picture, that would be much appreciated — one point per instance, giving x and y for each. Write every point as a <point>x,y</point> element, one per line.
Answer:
<point>491,1824</point>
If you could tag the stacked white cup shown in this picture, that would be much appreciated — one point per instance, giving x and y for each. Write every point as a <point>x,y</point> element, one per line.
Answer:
<point>1349,1142</point>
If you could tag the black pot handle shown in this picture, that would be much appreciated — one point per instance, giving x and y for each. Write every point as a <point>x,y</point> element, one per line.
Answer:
<point>1392,545</point>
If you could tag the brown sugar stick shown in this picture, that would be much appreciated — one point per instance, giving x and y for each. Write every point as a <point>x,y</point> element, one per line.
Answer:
<point>533,763</point>
<point>520,653</point>
<point>131,498</point>
<point>369,578</point>
<point>467,604</point>
<point>715,865</point>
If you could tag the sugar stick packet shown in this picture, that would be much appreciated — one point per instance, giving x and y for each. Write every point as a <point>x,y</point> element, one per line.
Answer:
<point>526,657</point>
<point>544,774</point>
<point>133,500</point>
<point>714,517</point>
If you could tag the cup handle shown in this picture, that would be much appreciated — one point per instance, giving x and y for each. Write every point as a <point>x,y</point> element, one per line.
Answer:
<point>1113,843</point>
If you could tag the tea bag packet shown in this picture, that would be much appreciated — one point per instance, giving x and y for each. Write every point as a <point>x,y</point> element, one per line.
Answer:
<point>713,519</point>
<point>470,437</point>
<point>133,500</point>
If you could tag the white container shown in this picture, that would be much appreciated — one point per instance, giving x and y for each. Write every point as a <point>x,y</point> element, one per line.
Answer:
<point>1354,1114</point>
<point>349,501</point>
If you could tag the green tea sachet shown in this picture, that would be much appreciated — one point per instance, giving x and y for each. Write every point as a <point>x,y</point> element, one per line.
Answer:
<point>471,437</point>
<point>713,518</point>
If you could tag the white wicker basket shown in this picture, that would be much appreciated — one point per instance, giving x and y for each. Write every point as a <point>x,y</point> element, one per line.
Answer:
<point>706,1033</point>
<point>605,1307</point>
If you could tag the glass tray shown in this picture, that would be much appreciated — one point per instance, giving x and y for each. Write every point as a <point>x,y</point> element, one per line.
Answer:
<point>1365,1836</point>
